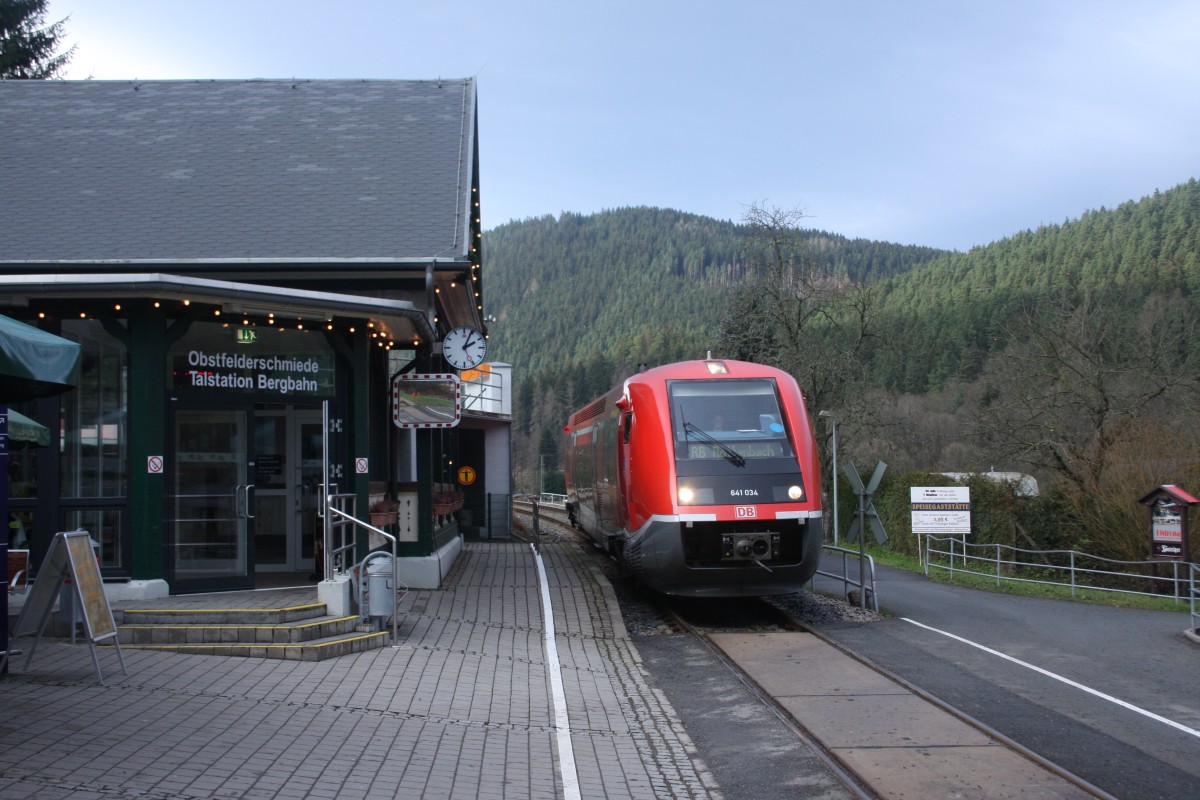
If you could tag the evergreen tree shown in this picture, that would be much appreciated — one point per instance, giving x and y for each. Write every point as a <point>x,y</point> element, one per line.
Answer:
<point>27,44</point>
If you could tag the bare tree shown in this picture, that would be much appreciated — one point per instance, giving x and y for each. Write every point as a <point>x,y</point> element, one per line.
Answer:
<point>1077,378</point>
<point>797,313</point>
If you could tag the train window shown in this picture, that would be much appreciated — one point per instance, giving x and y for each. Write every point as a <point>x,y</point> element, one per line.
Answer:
<point>710,418</point>
<point>626,426</point>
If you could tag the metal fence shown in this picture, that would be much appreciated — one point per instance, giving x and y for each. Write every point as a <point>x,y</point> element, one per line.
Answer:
<point>489,516</point>
<point>1192,589</point>
<point>1070,568</point>
<point>865,570</point>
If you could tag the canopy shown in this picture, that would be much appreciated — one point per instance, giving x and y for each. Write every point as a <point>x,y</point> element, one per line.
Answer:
<point>22,429</point>
<point>34,363</point>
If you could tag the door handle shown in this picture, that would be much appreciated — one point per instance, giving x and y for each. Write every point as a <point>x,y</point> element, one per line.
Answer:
<point>250,501</point>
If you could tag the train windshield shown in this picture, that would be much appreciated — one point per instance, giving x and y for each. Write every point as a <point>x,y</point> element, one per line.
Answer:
<point>727,419</point>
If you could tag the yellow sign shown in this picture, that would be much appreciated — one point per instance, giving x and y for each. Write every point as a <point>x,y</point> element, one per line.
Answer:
<point>466,475</point>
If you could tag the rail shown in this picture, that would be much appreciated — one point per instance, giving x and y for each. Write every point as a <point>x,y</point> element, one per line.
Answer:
<point>1078,570</point>
<point>341,528</point>
<point>336,542</point>
<point>847,581</point>
<point>484,392</point>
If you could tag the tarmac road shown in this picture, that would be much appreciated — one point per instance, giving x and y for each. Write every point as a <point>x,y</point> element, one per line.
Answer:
<point>1110,694</point>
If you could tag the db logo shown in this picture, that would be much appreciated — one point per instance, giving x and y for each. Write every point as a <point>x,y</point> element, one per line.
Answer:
<point>745,512</point>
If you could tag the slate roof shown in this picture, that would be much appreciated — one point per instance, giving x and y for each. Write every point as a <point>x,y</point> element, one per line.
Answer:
<point>239,170</point>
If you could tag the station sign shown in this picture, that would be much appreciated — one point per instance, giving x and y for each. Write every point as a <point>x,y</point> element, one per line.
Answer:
<point>279,363</point>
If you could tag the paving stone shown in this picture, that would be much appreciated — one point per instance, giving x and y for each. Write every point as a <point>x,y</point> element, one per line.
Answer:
<point>459,707</point>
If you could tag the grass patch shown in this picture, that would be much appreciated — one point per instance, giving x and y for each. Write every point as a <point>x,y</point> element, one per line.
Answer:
<point>891,558</point>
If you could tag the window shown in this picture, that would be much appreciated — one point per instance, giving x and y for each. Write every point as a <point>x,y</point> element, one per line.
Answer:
<point>711,419</point>
<point>94,440</point>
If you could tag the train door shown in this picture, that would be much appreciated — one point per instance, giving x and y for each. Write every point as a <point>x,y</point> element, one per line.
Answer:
<point>624,430</point>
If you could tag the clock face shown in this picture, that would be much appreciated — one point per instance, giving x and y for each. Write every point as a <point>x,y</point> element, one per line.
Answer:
<point>464,348</point>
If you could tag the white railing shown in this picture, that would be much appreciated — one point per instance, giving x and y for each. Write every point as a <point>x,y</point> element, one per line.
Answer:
<point>1072,568</point>
<point>485,391</point>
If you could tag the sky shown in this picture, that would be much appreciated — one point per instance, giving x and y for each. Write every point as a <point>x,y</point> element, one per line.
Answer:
<point>945,123</point>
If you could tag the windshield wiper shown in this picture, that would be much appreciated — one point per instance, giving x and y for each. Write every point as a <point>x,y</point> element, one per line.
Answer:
<point>734,457</point>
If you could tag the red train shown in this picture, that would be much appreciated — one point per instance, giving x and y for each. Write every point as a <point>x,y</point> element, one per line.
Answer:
<point>702,477</point>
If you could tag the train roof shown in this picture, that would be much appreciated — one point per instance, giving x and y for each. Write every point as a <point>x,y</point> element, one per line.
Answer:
<point>699,369</point>
<point>708,368</point>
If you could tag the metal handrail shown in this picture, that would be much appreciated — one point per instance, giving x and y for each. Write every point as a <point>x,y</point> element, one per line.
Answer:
<point>968,554</point>
<point>337,502</point>
<point>1192,589</point>
<point>352,522</point>
<point>845,576</point>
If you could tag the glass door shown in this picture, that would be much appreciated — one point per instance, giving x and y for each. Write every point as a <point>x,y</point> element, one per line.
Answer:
<point>310,442</point>
<point>287,448</point>
<point>212,500</point>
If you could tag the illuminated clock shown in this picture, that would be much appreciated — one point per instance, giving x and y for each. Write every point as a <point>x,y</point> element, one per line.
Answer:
<point>464,347</point>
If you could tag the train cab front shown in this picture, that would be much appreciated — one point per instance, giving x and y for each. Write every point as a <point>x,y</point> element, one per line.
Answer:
<point>747,518</point>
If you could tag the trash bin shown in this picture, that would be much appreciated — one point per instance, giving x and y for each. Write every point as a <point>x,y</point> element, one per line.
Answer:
<point>381,589</point>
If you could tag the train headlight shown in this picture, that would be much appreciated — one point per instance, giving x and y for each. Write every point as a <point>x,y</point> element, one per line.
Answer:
<point>686,495</point>
<point>796,492</point>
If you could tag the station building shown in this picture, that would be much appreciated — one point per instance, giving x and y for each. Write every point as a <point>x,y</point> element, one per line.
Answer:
<point>247,265</point>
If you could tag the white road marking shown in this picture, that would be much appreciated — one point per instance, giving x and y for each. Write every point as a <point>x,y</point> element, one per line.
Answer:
<point>562,725</point>
<point>1061,679</point>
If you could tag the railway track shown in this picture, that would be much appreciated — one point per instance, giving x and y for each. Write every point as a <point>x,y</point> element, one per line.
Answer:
<point>744,637</point>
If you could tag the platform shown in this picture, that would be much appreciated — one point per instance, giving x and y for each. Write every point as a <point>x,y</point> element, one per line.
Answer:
<point>467,704</point>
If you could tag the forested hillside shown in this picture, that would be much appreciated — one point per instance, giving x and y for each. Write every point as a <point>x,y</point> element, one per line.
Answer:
<point>940,321</point>
<point>634,284</point>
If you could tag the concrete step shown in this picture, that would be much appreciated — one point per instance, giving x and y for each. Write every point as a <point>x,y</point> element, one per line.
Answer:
<point>299,633</point>
<point>219,616</point>
<point>314,650</point>
<point>286,633</point>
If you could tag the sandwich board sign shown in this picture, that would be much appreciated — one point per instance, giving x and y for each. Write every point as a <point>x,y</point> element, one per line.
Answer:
<point>70,556</point>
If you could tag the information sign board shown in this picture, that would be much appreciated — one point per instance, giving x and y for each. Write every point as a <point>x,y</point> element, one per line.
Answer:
<point>940,509</point>
<point>70,556</point>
